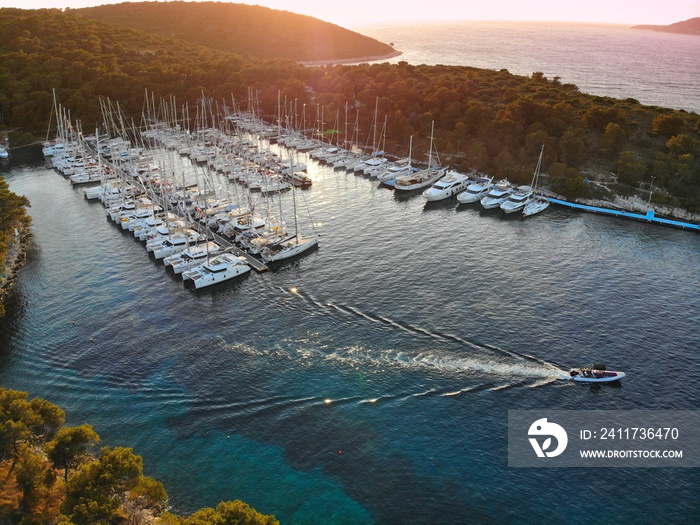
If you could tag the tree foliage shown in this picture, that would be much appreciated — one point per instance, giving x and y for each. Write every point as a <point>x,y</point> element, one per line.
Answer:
<point>109,489</point>
<point>489,120</point>
<point>71,446</point>
<point>23,421</point>
<point>245,29</point>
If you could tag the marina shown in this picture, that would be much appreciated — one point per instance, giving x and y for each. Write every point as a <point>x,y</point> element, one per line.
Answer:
<point>346,349</point>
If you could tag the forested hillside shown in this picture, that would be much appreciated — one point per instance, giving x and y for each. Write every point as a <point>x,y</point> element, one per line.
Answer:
<point>244,29</point>
<point>490,120</point>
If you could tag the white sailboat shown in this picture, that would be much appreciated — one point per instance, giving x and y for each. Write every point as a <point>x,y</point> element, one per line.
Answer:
<point>423,178</point>
<point>538,203</point>
<point>291,246</point>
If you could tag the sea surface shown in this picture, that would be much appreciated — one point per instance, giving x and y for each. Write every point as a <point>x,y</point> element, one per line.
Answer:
<point>660,69</point>
<point>368,382</point>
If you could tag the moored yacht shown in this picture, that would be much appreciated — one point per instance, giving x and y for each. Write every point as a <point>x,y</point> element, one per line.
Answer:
<point>537,204</point>
<point>497,195</point>
<point>476,191</point>
<point>517,200</point>
<point>451,184</point>
<point>394,171</point>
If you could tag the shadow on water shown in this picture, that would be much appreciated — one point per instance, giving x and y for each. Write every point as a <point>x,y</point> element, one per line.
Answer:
<point>404,196</point>
<point>276,266</point>
<point>15,310</point>
<point>444,204</point>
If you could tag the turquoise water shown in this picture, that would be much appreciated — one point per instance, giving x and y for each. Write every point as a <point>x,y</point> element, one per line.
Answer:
<point>379,392</point>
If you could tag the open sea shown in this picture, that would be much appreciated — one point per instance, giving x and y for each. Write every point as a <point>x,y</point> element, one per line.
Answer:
<point>659,69</point>
<point>377,392</point>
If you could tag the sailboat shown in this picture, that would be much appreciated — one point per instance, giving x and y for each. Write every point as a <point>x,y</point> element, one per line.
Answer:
<point>422,178</point>
<point>537,203</point>
<point>291,246</point>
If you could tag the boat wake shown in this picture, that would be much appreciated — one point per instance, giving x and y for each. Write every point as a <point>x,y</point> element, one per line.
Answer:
<point>438,354</point>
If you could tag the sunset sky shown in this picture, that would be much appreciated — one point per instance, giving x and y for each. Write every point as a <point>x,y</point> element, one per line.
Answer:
<point>364,12</point>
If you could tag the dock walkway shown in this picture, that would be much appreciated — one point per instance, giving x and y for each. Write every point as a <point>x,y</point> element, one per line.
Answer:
<point>251,261</point>
<point>649,217</point>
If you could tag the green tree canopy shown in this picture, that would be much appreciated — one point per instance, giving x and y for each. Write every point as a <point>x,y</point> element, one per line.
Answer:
<point>71,446</point>
<point>22,420</point>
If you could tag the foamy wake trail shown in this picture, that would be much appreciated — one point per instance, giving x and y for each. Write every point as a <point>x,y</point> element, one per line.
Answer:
<point>482,358</point>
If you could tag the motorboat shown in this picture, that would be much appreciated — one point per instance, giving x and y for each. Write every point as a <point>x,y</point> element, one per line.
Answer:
<point>451,184</point>
<point>219,269</point>
<point>476,190</point>
<point>301,179</point>
<point>517,200</point>
<point>4,154</point>
<point>595,374</point>
<point>497,195</point>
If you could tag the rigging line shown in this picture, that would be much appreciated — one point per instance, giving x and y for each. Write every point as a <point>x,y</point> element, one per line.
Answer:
<point>308,210</point>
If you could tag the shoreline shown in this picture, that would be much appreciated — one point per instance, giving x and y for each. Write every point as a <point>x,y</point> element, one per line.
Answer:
<point>16,257</point>
<point>356,60</point>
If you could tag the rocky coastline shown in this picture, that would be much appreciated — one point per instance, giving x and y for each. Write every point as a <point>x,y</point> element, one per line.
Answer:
<point>356,60</point>
<point>16,257</point>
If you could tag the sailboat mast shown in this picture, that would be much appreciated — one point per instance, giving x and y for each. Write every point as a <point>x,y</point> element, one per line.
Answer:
<point>374,137</point>
<point>430,155</point>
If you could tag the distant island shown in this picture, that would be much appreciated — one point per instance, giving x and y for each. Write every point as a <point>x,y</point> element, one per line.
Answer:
<point>686,27</point>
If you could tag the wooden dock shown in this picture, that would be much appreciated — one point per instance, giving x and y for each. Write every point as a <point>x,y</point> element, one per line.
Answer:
<point>251,261</point>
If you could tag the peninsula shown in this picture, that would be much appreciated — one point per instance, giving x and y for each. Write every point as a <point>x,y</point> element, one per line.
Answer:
<point>686,27</point>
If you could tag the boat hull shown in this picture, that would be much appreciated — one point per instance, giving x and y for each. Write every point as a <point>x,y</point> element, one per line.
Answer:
<point>290,251</point>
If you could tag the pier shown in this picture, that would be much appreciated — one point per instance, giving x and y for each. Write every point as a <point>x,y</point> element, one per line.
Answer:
<point>251,261</point>
<point>648,217</point>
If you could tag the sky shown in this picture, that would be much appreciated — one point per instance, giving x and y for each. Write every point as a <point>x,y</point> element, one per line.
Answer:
<point>356,13</point>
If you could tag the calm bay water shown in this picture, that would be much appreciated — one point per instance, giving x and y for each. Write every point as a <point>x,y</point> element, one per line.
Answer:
<point>379,392</point>
<point>655,68</point>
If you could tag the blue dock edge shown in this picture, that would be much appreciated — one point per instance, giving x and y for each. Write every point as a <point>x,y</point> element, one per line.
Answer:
<point>649,217</point>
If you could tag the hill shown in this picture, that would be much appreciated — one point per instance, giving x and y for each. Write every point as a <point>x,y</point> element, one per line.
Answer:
<point>493,121</point>
<point>686,27</point>
<point>244,29</point>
